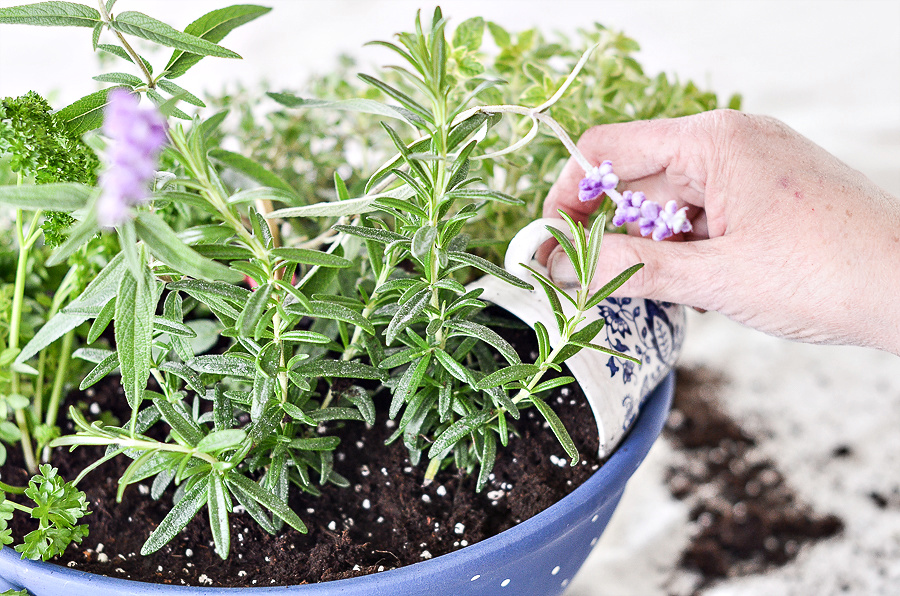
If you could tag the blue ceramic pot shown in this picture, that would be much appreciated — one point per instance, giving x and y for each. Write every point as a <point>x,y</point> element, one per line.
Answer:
<point>538,557</point>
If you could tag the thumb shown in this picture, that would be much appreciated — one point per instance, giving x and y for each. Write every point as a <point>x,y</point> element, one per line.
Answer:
<point>682,272</point>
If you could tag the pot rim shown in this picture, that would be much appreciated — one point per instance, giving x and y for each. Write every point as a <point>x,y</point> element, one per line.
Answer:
<point>611,477</point>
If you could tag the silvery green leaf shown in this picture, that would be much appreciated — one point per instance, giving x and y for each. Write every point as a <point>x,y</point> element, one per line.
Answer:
<point>366,106</point>
<point>423,241</point>
<point>306,256</point>
<point>577,339</point>
<point>487,335</point>
<point>165,106</point>
<point>316,444</point>
<point>558,428</point>
<point>79,235</point>
<point>212,27</point>
<point>377,234</point>
<point>266,499</point>
<point>341,368</point>
<point>482,194</point>
<point>121,53</point>
<point>360,398</point>
<point>140,25</point>
<point>488,267</point>
<point>184,373</point>
<point>51,14</point>
<point>164,325</point>
<point>219,440</point>
<point>95,355</point>
<point>328,209</point>
<point>553,384</point>
<point>178,517</point>
<point>102,321</point>
<point>253,508</point>
<point>223,364</point>
<point>408,313</point>
<point>297,413</point>
<point>515,372</point>
<point>106,366</point>
<point>488,457</point>
<point>133,329</point>
<point>329,414</point>
<point>179,93</point>
<point>120,78</point>
<point>251,169</point>
<point>611,286</point>
<point>253,310</point>
<point>335,312</point>
<point>401,357</point>
<point>452,366</point>
<point>543,338</point>
<point>65,196</point>
<point>234,294</point>
<point>218,503</point>
<point>177,416</point>
<point>165,245</point>
<point>409,383</point>
<point>455,433</point>
<point>86,113</point>
<point>405,100</point>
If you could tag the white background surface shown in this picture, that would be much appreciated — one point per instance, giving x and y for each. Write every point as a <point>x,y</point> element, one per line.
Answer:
<point>830,69</point>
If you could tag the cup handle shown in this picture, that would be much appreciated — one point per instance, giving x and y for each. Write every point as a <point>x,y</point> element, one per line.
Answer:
<point>525,244</point>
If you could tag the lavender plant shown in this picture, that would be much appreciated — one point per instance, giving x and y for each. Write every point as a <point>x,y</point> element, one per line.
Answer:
<point>319,325</point>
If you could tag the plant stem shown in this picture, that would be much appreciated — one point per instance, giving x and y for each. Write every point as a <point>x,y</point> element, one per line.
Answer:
<point>59,382</point>
<point>134,55</point>
<point>13,490</point>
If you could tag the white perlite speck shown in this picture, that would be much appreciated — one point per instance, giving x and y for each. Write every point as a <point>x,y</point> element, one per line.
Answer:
<point>426,554</point>
<point>332,526</point>
<point>495,494</point>
<point>441,491</point>
<point>102,557</point>
<point>188,552</point>
<point>426,498</point>
<point>459,528</point>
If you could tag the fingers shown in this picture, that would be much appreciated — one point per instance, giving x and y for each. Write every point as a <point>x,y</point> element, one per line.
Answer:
<point>683,272</point>
<point>637,150</point>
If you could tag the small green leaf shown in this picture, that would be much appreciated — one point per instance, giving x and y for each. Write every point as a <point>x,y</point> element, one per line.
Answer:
<point>140,25</point>
<point>488,267</point>
<point>120,78</point>
<point>482,194</point>
<point>219,440</point>
<point>106,366</point>
<point>51,14</point>
<point>558,428</point>
<point>135,305</point>
<point>365,106</point>
<point>485,334</point>
<point>266,499</point>
<point>308,256</point>
<point>515,372</point>
<point>165,245</point>
<point>612,286</point>
<point>408,313</point>
<point>253,310</point>
<point>452,366</point>
<point>86,113</point>
<point>223,364</point>
<point>178,517</point>
<point>251,169</point>
<point>212,27</point>
<point>409,384</point>
<point>65,196</point>
<point>316,444</point>
<point>328,209</point>
<point>376,234</point>
<point>335,312</point>
<point>219,505</point>
<point>179,93</point>
<point>455,432</point>
<point>341,368</point>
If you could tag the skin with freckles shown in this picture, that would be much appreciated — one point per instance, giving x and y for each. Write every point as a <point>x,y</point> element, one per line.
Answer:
<point>786,238</point>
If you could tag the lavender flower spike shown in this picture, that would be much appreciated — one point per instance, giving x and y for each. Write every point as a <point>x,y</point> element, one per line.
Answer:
<point>136,139</point>
<point>597,181</point>
<point>662,222</point>
<point>628,207</point>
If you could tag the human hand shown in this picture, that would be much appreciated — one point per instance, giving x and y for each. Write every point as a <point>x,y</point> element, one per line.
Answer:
<point>786,238</point>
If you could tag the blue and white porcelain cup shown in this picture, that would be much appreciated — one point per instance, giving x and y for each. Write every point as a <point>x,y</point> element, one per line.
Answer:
<point>649,330</point>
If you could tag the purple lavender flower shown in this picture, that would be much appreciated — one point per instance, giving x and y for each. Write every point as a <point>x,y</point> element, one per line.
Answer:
<point>597,181</point>
<point>661,222</point>
<point>136,139</point>
<point>628,208</point>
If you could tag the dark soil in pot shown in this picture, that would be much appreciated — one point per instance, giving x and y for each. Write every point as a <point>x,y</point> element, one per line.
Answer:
<point>386,519</point>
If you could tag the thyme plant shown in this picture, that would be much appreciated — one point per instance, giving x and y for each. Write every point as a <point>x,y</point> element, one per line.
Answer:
<point>364,307</point>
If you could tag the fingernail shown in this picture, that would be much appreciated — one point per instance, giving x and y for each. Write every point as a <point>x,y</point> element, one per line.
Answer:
<point>561,271</point>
